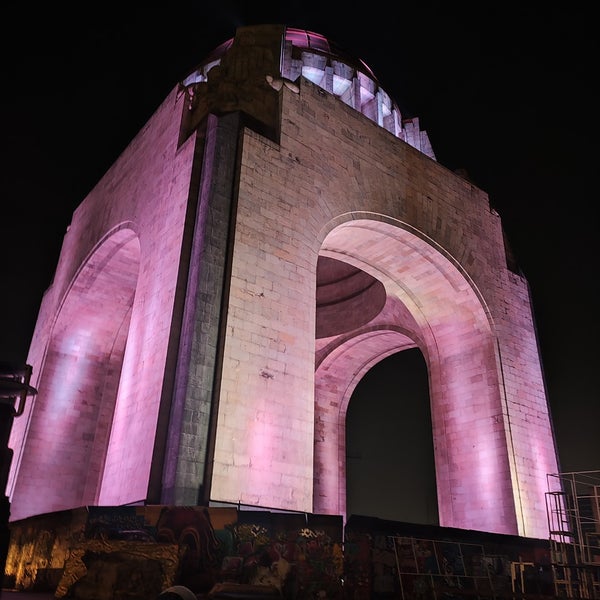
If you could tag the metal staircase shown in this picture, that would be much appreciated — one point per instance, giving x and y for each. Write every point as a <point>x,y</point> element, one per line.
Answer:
<point>573,511</point>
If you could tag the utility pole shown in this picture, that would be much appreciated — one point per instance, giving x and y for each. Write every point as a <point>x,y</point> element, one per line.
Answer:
<point>14,389</point>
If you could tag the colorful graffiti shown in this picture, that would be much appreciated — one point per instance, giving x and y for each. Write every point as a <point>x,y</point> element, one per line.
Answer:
<point>136,552</point>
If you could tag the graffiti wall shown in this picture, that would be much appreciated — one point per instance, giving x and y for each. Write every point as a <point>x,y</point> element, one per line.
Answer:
<point>102,553</point>
<point>398,560</point>
<point>135,552</point>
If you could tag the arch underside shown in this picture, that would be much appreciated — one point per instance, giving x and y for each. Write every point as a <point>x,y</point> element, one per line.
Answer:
<point>424,301</point>
<point>69,430</point>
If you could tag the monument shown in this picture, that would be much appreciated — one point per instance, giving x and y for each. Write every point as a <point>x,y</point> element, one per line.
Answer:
<point>275,230</point>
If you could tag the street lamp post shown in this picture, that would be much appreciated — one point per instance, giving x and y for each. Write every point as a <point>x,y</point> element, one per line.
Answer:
<point>14,389</point>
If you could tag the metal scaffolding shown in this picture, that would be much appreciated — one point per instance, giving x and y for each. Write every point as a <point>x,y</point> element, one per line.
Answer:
<point>574,525</point>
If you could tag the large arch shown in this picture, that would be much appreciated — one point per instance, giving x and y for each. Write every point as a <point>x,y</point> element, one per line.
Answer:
<point>432,305</point>
<point>71,424</point>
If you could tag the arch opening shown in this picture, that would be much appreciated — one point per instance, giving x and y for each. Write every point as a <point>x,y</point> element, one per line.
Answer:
<point>430,305</point>
<point>390,470</point>
<point>79,381</point>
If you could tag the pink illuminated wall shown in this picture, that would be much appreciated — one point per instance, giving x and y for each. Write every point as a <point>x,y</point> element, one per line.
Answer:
<point>430,239</point>
<point>70,427</point>
<point>101,339</point>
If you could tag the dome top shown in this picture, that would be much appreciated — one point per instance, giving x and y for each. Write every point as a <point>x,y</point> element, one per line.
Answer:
<point>309,40</point>
<point>304,39</point>
<point>314,57</point>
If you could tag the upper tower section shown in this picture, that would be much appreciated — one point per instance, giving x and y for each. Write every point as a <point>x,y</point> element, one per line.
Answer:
<point>242,73</point>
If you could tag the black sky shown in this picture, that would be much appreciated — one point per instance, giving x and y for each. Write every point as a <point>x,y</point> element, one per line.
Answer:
<point>506,91</point>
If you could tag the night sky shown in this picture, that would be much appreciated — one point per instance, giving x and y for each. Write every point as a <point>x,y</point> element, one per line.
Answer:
<point>505,91</point>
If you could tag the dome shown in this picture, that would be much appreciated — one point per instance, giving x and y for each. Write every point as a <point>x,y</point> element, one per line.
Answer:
<point>324,63</point>
<point>310,41</point>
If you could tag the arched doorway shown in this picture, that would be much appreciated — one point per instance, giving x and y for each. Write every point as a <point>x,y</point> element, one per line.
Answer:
<point>69,430</point>
<point>382,288</point>
<point>390,470</point>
